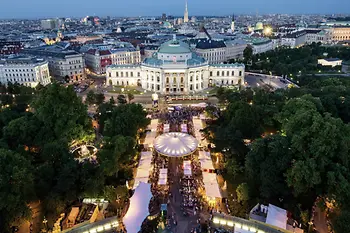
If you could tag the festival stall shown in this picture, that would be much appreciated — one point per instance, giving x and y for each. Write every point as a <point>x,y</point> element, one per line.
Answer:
<point>144,168</point>
<point>187,168</point>
<point>206,162</point>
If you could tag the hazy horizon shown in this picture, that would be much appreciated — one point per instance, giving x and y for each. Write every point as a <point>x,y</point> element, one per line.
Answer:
<point>35,9</point>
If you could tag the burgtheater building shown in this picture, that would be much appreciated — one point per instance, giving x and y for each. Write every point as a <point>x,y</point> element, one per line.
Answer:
<point>175,69</point>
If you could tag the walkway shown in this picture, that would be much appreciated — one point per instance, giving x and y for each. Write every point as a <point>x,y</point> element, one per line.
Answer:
<point>184,223</point>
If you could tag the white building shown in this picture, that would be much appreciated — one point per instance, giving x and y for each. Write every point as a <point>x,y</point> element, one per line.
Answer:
<point>330,62</point>
<point>175,69</point>
<point>26,71</point>
<point>262,46</point>
<point>63,63</point>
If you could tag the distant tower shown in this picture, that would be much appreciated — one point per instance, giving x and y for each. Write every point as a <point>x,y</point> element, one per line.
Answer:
<point>186,14</point>
<point>233,23</point>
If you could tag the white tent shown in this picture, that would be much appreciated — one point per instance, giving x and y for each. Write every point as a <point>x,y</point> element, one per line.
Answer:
<point>166,128</point>
<point>276,216</point>
<point>138,209</point>
<point>184,128</point>
<point>205,160</point>
<point>144,168</point>
<point>211,185</point>
<point>187,168</point>
<point>175,144</point>
<point>150,136</point>
<point>163,176</point>
<point>154,124</point>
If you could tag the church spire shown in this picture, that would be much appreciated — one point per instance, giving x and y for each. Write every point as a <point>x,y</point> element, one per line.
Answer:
<point>186,13</point>
<point>233,23</point>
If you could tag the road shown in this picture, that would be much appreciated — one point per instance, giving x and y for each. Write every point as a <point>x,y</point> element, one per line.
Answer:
<point>263,80</point>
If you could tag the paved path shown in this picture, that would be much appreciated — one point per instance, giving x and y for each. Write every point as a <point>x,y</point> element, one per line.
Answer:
<point>184,223</point>
<point>320,221</point>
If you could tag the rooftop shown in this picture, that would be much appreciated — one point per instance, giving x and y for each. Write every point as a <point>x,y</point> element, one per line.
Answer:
<point>207,43</point>
<point>21,60</point>
<point>174,47</point>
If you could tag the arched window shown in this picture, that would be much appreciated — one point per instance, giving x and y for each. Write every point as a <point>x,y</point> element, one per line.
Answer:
<point>167,79</point>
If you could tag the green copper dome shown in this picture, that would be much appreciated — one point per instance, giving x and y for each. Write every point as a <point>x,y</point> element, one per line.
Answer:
<point>174,47</point>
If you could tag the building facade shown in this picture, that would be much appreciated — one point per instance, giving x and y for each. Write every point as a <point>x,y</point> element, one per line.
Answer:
<point>97,60</point>
<point>329,62</point>
<point>10,47</point>
<point>27,71</point>
<point>175,69</point>
<point>340,33</point>
<point>218,51</point>
<point>63,63</point>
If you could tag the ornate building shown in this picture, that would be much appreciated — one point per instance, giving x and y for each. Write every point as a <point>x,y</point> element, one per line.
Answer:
<point>175,69</point>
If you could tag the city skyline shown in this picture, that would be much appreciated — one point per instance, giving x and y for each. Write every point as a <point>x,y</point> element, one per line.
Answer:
<point>79,8</point>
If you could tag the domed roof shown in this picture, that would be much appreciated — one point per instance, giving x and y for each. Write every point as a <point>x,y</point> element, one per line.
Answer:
<point>175,144</point>
<point>174,47</point>
<point>259,26</point>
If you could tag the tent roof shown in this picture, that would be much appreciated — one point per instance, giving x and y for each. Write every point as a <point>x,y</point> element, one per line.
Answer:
<point>150,136</point>
<point>175,144</point>
<point>276,216</point>
<point>138,209</point>
<point>212,190</point>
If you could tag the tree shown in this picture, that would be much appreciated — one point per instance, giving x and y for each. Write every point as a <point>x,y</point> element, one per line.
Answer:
<point>341,222</point>
<point>90,97</point>
<point>125,119</point>
<point>242,192</point>
<point>121,99</point>
<point>115,152</point>
<point>16,185</point>
<point>62,114</point>
<point>130,97</point>
<point>100,98</point>
<point>248,53</point>
<point>319,146</point>
<point>112,101</point>
<point>265,165</point>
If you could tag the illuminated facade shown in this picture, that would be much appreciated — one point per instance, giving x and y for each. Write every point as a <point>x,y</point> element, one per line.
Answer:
<point>175,69</point>
<point>26,71</point>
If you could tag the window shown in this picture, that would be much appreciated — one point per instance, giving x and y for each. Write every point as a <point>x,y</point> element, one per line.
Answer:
<point>116,74</point>
<point>228,73</point>
<point>167,79</point>
<point>121,74</point>
<point>138,74</point>
<point>191,79</point>
<point>240,73</point>
<point>182,79</point>
<point>211,73</point>
<point>126,74</point>
<point>223,73</point>
<point>218,73</point>
<point>233,73</point>
<point>174,80</point>
<point>131,74</point>
<point>158,79</point>
<point>109,74</point>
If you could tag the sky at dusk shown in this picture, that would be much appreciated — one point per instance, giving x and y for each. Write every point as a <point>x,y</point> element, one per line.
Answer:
<point>78,8</point>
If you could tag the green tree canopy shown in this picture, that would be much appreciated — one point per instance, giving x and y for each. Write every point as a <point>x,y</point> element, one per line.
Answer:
<point>16,188</point>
